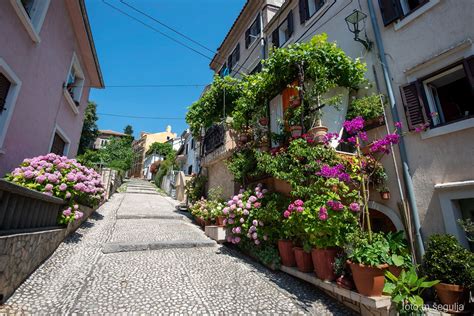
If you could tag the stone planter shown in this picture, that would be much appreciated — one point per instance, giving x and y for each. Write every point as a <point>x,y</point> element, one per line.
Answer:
<point>22,208</point>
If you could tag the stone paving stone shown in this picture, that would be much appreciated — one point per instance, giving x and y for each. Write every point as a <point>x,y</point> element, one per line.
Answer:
<point>79,279</point>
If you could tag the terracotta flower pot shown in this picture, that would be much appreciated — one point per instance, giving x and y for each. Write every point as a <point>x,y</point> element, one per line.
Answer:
<point>220,221</point>
<point>323,261</point>
<point>368,280</point>
<point>296,131</point>
<point>304,262</point>
<point>318,133</point>
<point>395,270</point>
<point>452,295</point>
<point>345,282</point>
<point>285,247</point>
<point>295,102</point>
<point>385,195</point>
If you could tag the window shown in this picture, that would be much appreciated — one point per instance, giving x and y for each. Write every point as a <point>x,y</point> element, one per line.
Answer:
<point>192,143</point>
<point>276,116</point>
<point>186,149</point>
<point>466,208</point>
<point>224,71</point>
<point>397,9</point>
<point>74,84</point>
<point>233,58</point>
<point>308,8</point>
<point>283,33</point>
<point>447,94</point>
<point>10,86</point>
<point>4,88</point>
<point>59,145</point>
<point>190,169</point>
<point>31,14</point>
<point>253,32</point>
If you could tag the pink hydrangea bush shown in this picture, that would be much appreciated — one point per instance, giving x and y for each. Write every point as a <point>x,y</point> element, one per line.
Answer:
<point>61,177</point>
<point>241,212</point>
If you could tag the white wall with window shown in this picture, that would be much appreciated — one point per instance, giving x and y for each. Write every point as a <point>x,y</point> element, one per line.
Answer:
<point>74,84</point>
<point>60,142</point>
<point>276,116</point>
<point>253,32</point>
<point>233,59</point>
<point>32,14</point>
<point>10,86</point>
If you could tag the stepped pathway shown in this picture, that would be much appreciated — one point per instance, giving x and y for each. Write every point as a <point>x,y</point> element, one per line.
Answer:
<point>137,255</point>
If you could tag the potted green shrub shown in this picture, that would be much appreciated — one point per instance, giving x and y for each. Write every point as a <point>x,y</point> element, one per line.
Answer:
<point>293,118</point>
<point>370,108</point>
<point>446,260</point>
<point>406,290</point>
<point>400,257</point>
<point>368,261</point>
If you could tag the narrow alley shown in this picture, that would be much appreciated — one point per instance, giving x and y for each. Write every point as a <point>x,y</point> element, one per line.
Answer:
<point>136,254</point>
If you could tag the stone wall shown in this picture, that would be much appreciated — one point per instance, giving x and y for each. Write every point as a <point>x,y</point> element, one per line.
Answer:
<point>111,180</point>
<point>21,254</point>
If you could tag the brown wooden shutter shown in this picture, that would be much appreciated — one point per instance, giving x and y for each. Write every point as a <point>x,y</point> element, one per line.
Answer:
<point>237,54</point>
<point>290,23</point>
<point>4,88</point>
<point>414,108</point>
<point>303,7</point>
<point>275,38</point>
<point>391,10</point>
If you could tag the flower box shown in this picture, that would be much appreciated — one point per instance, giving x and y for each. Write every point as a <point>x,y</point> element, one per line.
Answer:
<point>23,209</point>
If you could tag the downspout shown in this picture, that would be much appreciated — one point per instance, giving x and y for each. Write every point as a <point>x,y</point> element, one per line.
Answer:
<point>420,249</point>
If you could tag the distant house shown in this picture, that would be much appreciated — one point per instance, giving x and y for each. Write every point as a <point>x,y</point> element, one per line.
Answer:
<point>48,64</point>
<point>104,137</point>
<point>188,154</point>
<point>141,146</point>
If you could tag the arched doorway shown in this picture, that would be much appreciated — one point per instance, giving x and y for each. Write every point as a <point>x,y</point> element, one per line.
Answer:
<point>383,218</point>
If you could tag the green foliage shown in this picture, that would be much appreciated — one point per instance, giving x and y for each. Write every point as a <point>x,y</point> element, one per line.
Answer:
<point>195,187</point>
<point>399,251</point>
<point>208,210</point>
<point>243,165</point>
<point>209,109</point>
<point>271,213</point>
<point>446,260</point>
<point>468,226</point>
<point>117,154</point>
<point>168,164</point>
<point>368,107</point>
<point>90,130</point>
<point>406,291</point>
<point>128,130</point>
<point>266,253</point>
<point>360,250</point>
<point>162,149</point>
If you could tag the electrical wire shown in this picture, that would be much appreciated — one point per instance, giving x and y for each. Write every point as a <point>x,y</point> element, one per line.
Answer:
<point>142,117</point>
<point>151,86</point>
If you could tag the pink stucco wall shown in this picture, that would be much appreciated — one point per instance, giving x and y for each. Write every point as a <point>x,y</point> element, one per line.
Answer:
<point>42,69</point>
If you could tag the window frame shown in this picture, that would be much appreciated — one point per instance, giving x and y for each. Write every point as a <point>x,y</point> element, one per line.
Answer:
<point>79,89</point>
<point>250,38</point>
<point>10,100</point>
<point>427,96</point>
<point>33,25</point>
<point>230,62</point>
<point>58,130</point>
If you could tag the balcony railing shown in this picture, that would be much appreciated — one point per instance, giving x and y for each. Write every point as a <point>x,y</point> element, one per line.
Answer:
<point>214,138</point>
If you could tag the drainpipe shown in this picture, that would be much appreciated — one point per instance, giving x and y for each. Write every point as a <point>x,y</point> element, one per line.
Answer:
<point>420,249</point>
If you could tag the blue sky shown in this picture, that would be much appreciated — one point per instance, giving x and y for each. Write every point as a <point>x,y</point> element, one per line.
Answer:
<point>131,54</point>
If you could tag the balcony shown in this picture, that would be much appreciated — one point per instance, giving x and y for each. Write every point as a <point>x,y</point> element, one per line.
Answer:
<point>218,144</point>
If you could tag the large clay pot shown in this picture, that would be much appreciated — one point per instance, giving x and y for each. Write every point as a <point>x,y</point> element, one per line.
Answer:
<point>285,247</point>
<point>304,262</point>
<point>323,261</point>
<point>368,280</point>
<point>345,282</point>
<point>385,195</point>
<point>263,121</point>
<point>454,296</point>
<point>318,133</point>
<point>296,131</point>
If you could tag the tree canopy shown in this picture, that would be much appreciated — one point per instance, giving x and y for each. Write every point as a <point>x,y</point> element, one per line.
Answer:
<point>117,154</point>
<point>90,130</point>
<point>162,149</point>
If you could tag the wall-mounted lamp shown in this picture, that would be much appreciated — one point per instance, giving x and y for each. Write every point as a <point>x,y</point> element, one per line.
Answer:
<point>356,23</point>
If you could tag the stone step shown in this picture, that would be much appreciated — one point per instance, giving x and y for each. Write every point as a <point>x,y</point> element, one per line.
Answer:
<point>137,216</point>
<point>115,247</point>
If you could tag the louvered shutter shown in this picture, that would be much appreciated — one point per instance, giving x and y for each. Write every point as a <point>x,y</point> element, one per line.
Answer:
<point>303,6</point>
<point>290,23</point>
<point>414,108</point>
<point>469,65</point>
<point>391,10</point>
<point>237,53</point>
<point>275,39</point>
<point>4,88</point>
<point>229,64</point>
<point>259,25</point>
<point>247,38</point>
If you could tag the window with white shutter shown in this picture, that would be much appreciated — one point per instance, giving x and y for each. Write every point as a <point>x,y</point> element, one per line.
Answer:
<point>4,88</point>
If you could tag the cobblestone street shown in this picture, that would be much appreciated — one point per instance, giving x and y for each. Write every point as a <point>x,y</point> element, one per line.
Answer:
<point>107,267</point>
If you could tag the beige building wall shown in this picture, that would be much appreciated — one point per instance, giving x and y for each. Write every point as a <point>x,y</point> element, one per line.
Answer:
<point>161,137</point>
<point>441,160</point>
